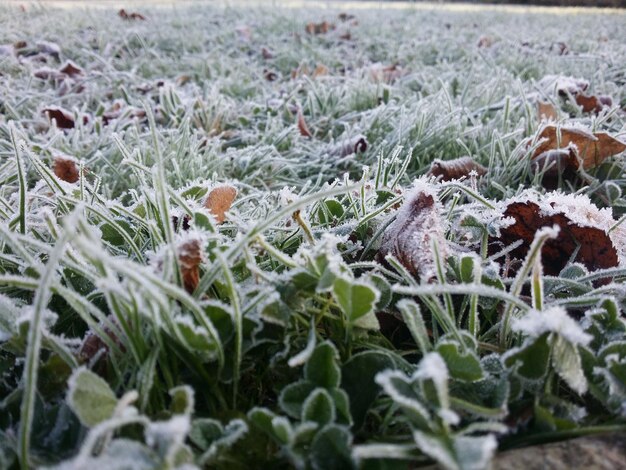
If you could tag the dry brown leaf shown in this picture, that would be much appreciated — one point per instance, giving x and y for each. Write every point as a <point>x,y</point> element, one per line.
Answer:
<point>592,149</point>
<point>190,257</point>
<point>408,238</point>
<point>588,245</point>
<point>219,201</point>
<point>485,41</point>
<point>346,16</point>
<point>559,164</point>
<point>547,111</point>
<point>320,70</point>
<point>66,168</point>
<point>130,16</point>
<point>560,48</point>
<point>319,28</point>
<point>593,104</point>
<point>455,169</point>
<point>356,144</point>
<point>70,69</point>
<point>302,126</point>
<point>385,73</point>
<point>63,117</point>
<point>48,73</point>
<point>266,53</point>
<point>270,75</point>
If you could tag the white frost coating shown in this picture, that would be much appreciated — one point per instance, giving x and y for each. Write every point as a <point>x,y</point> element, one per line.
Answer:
<point>580,210</point>
<point>168,432</point>
<point>287,195</point>
<point>552,320</point>
<point>385,380</point>
<point>433,367</point>
<point>9,313</point>
<point>561,84</point>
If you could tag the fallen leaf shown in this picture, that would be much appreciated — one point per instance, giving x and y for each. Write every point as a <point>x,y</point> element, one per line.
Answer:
<point>71,69</point>
<point>182,80</point>
<point>485,41</point>
<point>270,75</point>
<point>320,70</point>
<point>130,16</point>
<point>560,48</point>
<point>266,53</point>
<point>190,258</point>
<point>356,144</point>
<point>219,201</point>
<point>48,73</point>
<point>319,28</point>
<point>346,16</point>
<point>547,111</point>
<point>385,73</point>
<point>593,104</point>
<point>63,117</point>
<point>92,344</point>
<point>586,244</point>
<point>455,169</point>
<point>591,148</point>
<point>49,48</point>
<point>302,126</point>
<point>408,238</point>
<point>66,168</point>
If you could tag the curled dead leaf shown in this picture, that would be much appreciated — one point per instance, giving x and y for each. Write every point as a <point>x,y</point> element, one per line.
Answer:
<point>219,201</point>
<point>70,69</point>
<point>593,104</point>
<point>190,258</point>
<point>356,144</point>
<point>130,16</point>
<point>302,126</point>
<point>266,53</point>
<point>270,75</point>
<point>457,168</point>
<point>559,164</point>
<point>319,28</point>
<point>485,41</point>
<point>591,148</point>
<point>577,241</point>
<point>93,347</point>
<point>408,238</point>
<point>66,168</point>
<point>63,117</point>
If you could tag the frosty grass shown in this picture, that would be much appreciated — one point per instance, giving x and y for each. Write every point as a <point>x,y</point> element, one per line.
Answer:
<point>296,348</point>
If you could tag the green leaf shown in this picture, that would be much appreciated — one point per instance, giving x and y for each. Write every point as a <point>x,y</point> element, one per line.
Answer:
<point>319,407</point>
<point>293,396</point>
<point>356,298</point>
<point>358,381</point>
<point>567,363</point>
<point>322,368</point>
<point>462,365</point>
<point>330,449</point>
<point>90,397</point>
<point>531,360</point>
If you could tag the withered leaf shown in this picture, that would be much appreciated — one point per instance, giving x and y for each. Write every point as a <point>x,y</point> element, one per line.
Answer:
<point>270,75</point>
<point>346,16</point>
<point>219,201</point>
<point>302,126</point>
<point>190,257</point>
<point>593,104</point>
<point>47,73</point>
<point>408,238</point>
<point>588,245</point>
<point>130,16</point>
<point>266,53</point>
<point>455,169</point>
<point>558,164</point>
<point>71,69</point>
<point>592,149</point>
<point>63,117</point>
<point>49,48</point>
<point>386,73</point>
<point>356,144</point>
<point>319,28</point>
<point>66,168</point>
<point>485,41</point>
<point>546,110</point>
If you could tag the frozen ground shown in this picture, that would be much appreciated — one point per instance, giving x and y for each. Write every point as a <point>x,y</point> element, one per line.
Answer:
<point>134,327</point>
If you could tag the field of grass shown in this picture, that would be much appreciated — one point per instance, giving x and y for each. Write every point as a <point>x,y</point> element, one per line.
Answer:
<point>223,243</point>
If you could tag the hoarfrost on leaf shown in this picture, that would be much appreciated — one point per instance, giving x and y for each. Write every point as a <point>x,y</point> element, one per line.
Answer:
<point>552,320</point>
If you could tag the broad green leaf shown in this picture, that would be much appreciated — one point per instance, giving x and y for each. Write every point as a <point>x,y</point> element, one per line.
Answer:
<point>356,298</point>
<point>531,360</point>
<point>293,396</point>
<point>90,397</point>
<point>330,449</point>
<point>462,365</point>
<point>566,361</point>
<point>322,368</point>
<point>319,407</point>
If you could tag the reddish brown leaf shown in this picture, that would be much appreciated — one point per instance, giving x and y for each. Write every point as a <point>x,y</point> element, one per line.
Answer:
<point>592,149</point>
<point>320,70</point>
<point>319,28</point>
<point>593,104</point>
<point>455,169</point>
<point>560,164</point>
<point>190,257</point>
<point>270,75</point>
<point>66,168</point>
<point>130,16</point>
<point>71,69</point>
<point>93,346</point>
<point>266,53</point>
<point>588,245</point>
<point>408,238</point>
<point>302,126</point>
<point>219,201</point>
<point>547,111</point>
<point>560,48</point>
<point>485,41</point>
<point>48,73</point>
<point>63,118</point>
<point>386,73</point>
